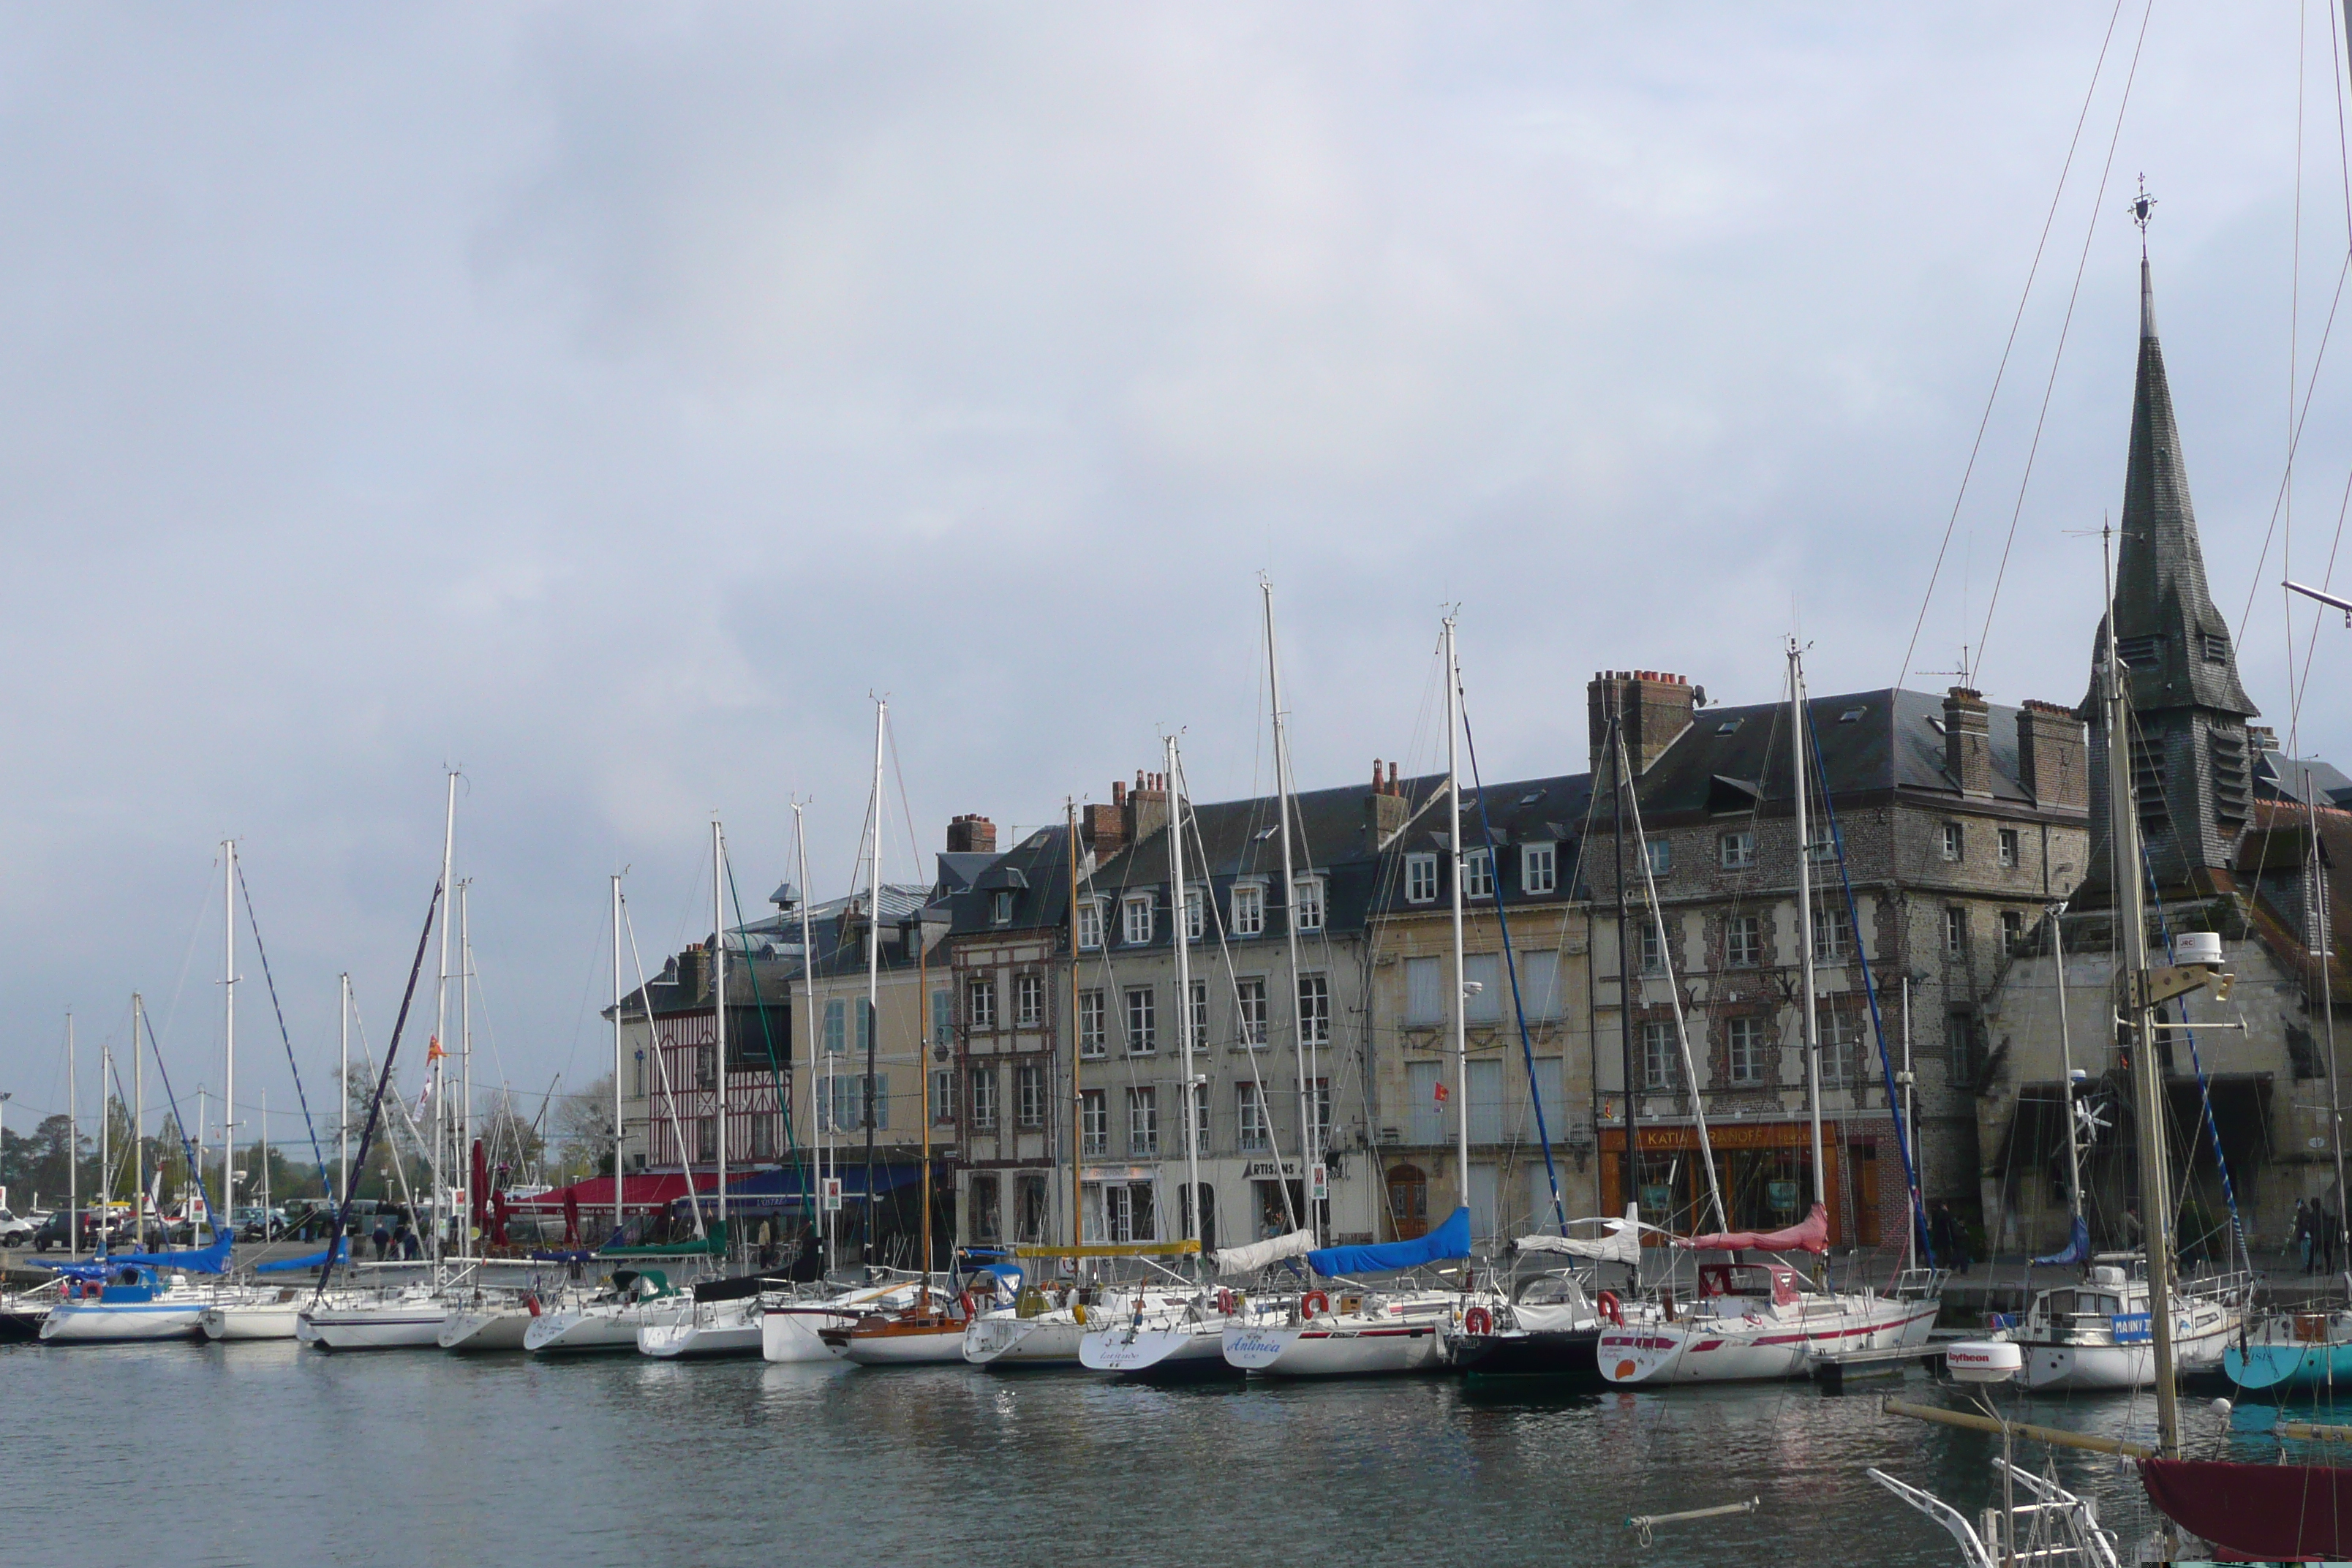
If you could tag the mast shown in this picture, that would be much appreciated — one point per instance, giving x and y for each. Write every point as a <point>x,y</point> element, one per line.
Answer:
<point>619,1217</point>
<point>1179,936</point>
<point>1453,846</point>
<point>821,1117</point>
<point>718,1006</point>
<point>1621,779</point>
<point>1805,925</point>
<point>73,1144</point>
<point>873,983</point>
<point>2131,916</point>
<point>265,1162</point>
<point>2067,1075</point>
<point>2327,943</point>
<point>923,1064</point>
<point>343,1092</point>
<point>138,1121</point>
<point>465,1106</point>
<point>105,1144</point>
<point>1310,1102</point>
<point>228,1034</point>
<point>441,1026</point>
<point>1078,1093</point>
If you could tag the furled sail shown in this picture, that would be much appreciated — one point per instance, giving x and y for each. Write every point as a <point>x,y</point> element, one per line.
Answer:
<point>1814,1235</point>
<point>2078,1248</point>
<point>1258,1254</point>
<point>1621,1245</point>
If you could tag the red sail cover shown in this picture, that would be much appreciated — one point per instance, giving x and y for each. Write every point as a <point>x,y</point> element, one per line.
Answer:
<point>1814,1235</point>
<point>2265,1513</point>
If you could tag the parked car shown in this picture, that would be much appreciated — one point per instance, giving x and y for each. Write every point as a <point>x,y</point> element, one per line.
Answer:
<point>16,1231</point>
<point>53,1231</point>
<point>258,1224</point>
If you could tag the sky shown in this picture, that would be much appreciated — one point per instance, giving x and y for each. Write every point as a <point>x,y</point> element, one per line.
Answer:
<point>610,402</point>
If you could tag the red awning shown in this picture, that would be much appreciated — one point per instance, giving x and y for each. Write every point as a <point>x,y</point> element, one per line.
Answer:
<point>638,1192</point>
<point>1814,1235</point>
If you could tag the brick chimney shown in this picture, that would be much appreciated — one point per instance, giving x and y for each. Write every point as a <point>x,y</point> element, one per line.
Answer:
<point>1104,827</point>
<point>971,835</point>
<point>1147,807</point>
<point>1657,707</point>
<point>1968,740</point>
<point>2050,762</point>
<point>1384,808</point>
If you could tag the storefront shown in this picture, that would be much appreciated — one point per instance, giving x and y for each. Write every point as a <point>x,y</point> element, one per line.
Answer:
<point>1765,1171</point>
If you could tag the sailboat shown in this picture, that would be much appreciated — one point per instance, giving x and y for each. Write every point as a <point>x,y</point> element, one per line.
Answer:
<point>1367,1332</point>
<point>1551,1322</point>
<point>1754,1320</point>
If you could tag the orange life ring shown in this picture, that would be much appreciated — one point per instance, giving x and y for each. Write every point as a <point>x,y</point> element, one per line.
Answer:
<point>1224,1301</point>
<point>1611,1308</point>
<point>531,1304</point>
<point>1313,1302</point>
<point>1477,1320</point>
<point>965,1302</point>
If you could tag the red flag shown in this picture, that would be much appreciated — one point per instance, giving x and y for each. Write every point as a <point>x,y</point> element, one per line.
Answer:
<point>1441,1093</point>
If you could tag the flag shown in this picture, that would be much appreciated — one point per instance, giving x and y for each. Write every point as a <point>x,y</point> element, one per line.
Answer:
<point>1441,1093</point>
<point>433,1051</point>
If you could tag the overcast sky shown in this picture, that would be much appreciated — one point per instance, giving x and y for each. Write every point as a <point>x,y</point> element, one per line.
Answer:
<point>608,399</point>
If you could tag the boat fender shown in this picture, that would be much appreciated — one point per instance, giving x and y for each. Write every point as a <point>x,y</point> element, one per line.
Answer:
<point>1609,1307</point>
<point>1477,1320</point>
<point>1078,1312</point>
<point>1313,1302</point>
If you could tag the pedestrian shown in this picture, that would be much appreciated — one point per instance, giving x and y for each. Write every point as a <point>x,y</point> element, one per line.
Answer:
<point>2304,1237</point>
<point>1944,1235</point>
<point>411,1248</point>
<point>2327,1225</point>
<point>382,1239</point>
<point>2133,1232</point>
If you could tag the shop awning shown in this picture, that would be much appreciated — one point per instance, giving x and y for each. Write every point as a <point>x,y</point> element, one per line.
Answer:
<point>789,1186</point>
<point>641,1195</point>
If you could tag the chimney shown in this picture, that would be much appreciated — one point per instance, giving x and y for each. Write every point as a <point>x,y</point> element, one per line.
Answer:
<point>1384,808</point>
<point>1657,707</point>
<point>971,835</point>
<point>693,977</point>
<point>1967,740</point>
<point>1104,827</point>
<point>2050,762</point>
<point>1147,807</point>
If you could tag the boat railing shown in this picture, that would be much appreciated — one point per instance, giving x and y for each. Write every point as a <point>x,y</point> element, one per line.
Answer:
<point>2233,1289</point>
<point>1918,1284</point>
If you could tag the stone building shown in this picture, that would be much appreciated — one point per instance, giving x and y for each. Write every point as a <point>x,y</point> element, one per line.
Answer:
<point>2240,839</point>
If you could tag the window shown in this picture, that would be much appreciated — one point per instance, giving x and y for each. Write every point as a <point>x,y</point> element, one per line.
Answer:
<point>1135,922</point>
<point>1126,1211</point>
<point>1824,851</point>
<point>836,1027</point>
<point>1315,1009</point>
<point>1198,1019</point>
<point>1841,1047</point>
<point>1249,908</point>
<point>2012,929</point>
<point>1251,994</point>
<point>1420,879</point>
<point>1306,905</point>
<point>1539,986</point>
<point>1000,907</point>
<point>1951,841</point>
<point>1482,988</point>
<point>1199,1131</point>
<point>1424,992</point>
<point>1662,856</point>
<point>1735,850</point>
<point>1743,942</point>
<point>1955,932</point>
<point>1256,1135</point>
<point>1091,1042</point>
<point>1090,924</point>
<point>1142,1023</point>
<point>1196,914</point>
<point>1832,932</point>
<point>763,1137</point>
<point>706,1138</point>
<point>983,1098</point>
<point>1094,1125</point>
<point>2006,841</point>
<point>1432,1123</point>
<point>943,1017</point>
<point>1029,1000</point>
<point>1029,1095</point>
<point>1029,1207</point>
<point>1478,875</point>
<point>942,1097</point>
<point>1661,1056</point>
<point>985,1214</point>
<point>705,1066</point>
<point>1653,950</point>
<point>1318,1106</point>
<point>848,1110</point>
<point>1142,1122</point>
<point>1747,1050</point>
<point>1539,867</point>
<point>980,1004</point>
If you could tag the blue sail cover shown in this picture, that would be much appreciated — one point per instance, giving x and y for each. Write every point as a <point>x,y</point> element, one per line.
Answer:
<point>213,1260</point>
<point>2078,1248</point>
<point>1450,1239</point>
<point>313,1260</point>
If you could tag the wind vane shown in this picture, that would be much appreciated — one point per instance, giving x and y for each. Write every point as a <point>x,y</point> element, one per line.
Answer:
<point>2142,205</point>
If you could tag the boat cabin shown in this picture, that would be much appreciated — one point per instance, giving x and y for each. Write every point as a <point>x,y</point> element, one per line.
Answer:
<point>1775,1283</point>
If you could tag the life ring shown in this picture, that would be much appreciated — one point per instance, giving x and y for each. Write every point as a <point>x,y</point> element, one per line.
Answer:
<point>965,1302</point>
<point>1477,1320</point>
<point>1313,1302</point>
<point>530,1303</point>
<point>1224,1302</point>
<point>1607,1304</point>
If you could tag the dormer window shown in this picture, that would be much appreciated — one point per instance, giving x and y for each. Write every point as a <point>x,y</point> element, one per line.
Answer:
<point>1249,908</point>
<point>1539,867</point>
<point>1000,907</point>
<point>1478,875</point>
<point>2217,647</point>
<point>1307,904</point>
<point>1090,924</point>
<point>1420,879</point>
<point>1196,913</point>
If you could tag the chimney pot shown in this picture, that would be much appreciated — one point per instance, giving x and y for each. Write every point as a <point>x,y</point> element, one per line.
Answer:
<point>971,835</point>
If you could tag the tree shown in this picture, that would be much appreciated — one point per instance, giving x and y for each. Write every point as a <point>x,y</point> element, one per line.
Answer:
<point>584,1130</point>
<point>34,1164</point>
<point>510,1141</point>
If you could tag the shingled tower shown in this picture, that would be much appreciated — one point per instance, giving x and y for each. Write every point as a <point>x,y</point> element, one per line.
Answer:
<point>2190,759</point>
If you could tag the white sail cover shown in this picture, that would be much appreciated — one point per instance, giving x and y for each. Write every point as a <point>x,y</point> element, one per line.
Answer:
<point>1623,1244</point>
<point>1258,1254</point>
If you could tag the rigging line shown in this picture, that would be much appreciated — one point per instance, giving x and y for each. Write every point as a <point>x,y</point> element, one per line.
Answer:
<point>187,1150</point>
<point>2099,202</point>
<point>768,1039</point>
<point>2294,343</point>
<point>1985,421</point>
<point>301,1096</point>
<point>2310,385</point>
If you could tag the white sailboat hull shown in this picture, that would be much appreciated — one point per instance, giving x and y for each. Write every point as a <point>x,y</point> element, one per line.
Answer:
<point>1335,1347</point>
<point>373,1326</point>
<point>732,1329</point>
<point>792,1334</point>
<point>251,1320</point>
<point>1169,1349</point>
<point>1759,1349</point>
<point>602,1329</point>
<point>2197,1346</point>
<point>123,1323</point>
<point>1008,1342</point>
<point>484,1330</point>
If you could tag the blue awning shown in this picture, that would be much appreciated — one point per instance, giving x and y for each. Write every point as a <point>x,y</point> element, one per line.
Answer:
<point>789,1187</point>
<point>1450,1239</point>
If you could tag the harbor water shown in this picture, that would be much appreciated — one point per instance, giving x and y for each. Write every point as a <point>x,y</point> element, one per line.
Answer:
<point>275,1453</point>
